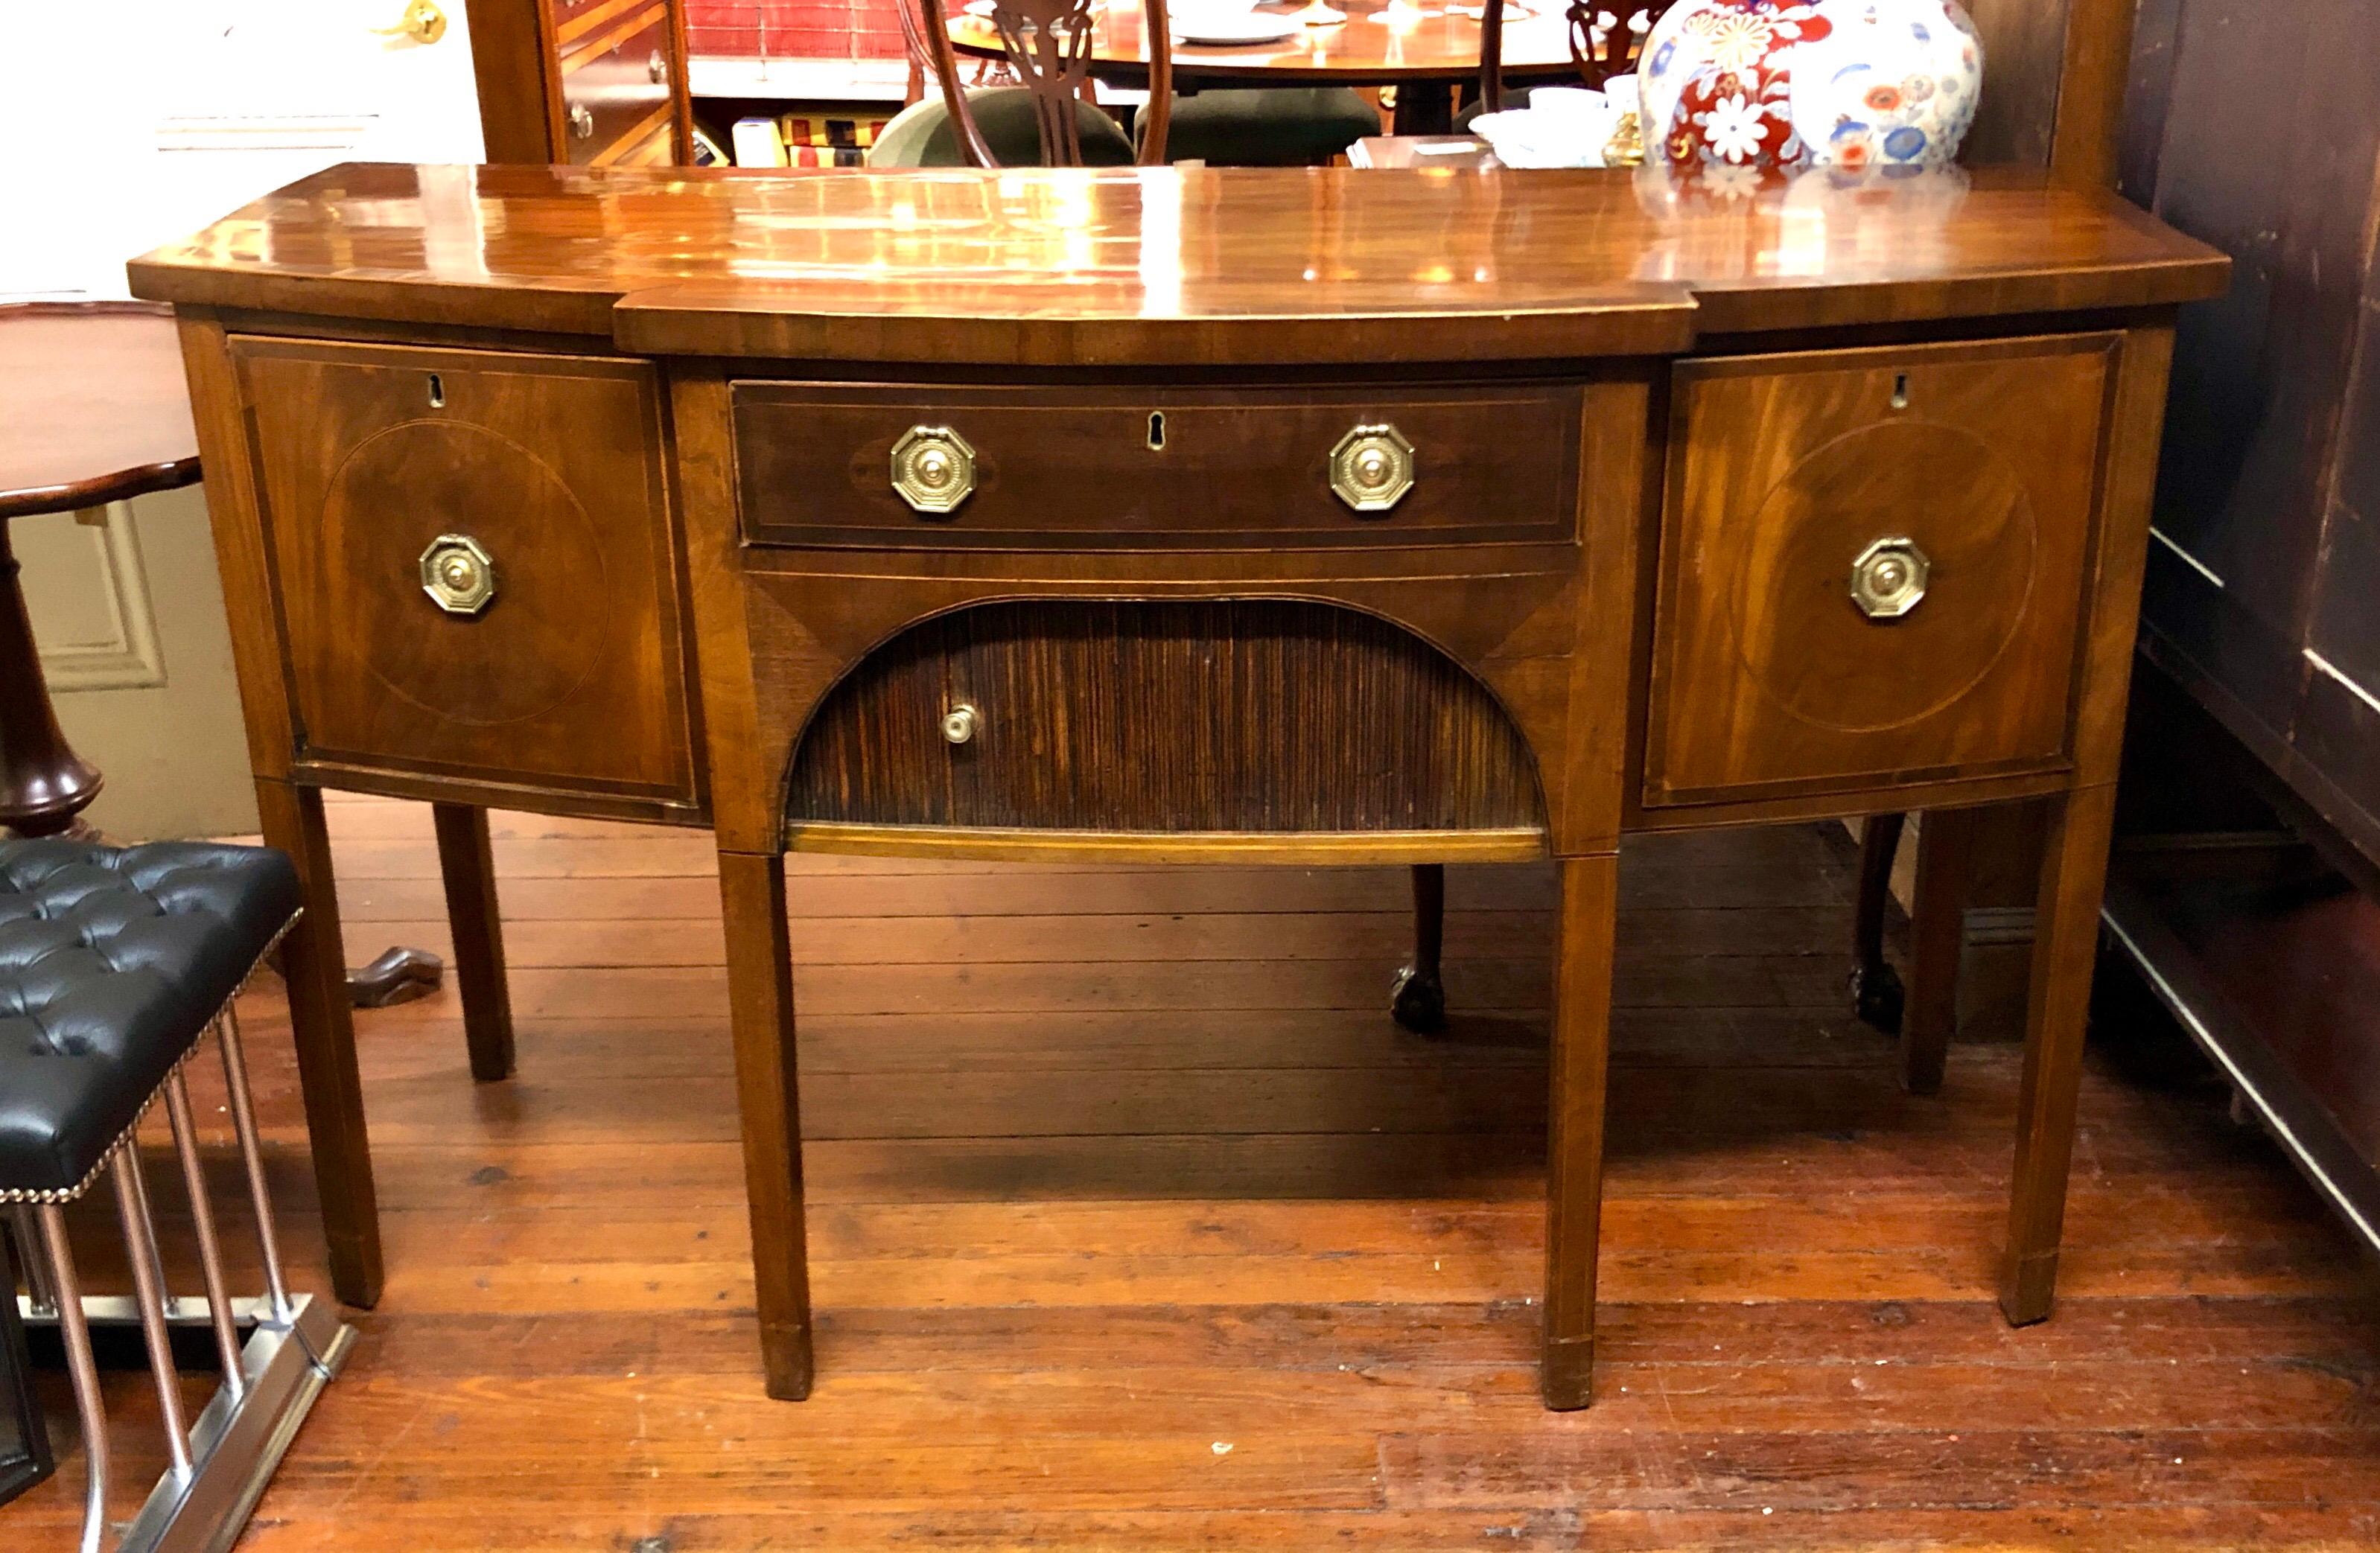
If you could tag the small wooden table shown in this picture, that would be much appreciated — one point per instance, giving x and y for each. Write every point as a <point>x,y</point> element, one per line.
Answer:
<point>1377,45</point>
<point>92,399</point>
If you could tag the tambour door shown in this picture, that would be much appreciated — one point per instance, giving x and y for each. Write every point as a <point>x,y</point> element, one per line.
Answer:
<point>1873,567</point>
<point>474,559</point>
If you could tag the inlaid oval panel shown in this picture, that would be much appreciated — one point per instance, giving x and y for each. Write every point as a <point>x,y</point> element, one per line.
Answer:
<point>1220,715</point>
<point>1970,469</point>
<point>552,621</point>
<point>1798,634</point>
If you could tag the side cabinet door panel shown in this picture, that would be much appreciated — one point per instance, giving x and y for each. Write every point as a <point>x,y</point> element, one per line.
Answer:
<point>378,464</point>
<point>1968,473</point>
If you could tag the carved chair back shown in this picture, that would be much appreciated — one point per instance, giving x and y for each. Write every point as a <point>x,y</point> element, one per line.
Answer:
<point>1049,44</point>
<point>1606,36</point>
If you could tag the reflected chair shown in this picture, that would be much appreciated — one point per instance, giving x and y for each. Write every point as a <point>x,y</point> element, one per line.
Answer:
<point>1045,121</point>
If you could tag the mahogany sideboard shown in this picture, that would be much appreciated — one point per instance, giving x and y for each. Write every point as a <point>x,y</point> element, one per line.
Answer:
<point>1302,515</point>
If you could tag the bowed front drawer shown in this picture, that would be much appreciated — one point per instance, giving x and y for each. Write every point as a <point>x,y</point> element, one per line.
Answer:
<point>1156,467</point>
<point>473,559</point>
<point>1873,567</point>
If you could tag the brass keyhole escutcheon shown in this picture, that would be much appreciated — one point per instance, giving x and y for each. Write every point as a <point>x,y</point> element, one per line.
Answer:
<point>458,573</point>
<point>933,468</point>
<point>1888,579</point>
<point>1372,467</point>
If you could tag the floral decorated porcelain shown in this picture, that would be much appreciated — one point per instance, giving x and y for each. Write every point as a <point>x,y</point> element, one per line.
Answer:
<point>1792,83</point>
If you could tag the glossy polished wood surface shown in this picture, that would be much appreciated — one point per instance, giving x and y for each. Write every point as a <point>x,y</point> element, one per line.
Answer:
<point>95,410</point>
<point>1072,266</point>
<point>1377,43</point>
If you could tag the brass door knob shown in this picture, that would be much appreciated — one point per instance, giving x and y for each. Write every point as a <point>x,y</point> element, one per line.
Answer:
<point>422,21</point>
<point>959,723</point>
<point>458,573</point>
<point>1888,578</point>
<point>1372,467</point>
<point>933,468</point>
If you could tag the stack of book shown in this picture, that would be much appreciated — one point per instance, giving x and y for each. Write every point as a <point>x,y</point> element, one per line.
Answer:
<point>805,139</point>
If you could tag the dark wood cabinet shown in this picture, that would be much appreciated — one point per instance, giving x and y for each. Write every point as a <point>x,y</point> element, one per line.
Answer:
<point>2255,126</point>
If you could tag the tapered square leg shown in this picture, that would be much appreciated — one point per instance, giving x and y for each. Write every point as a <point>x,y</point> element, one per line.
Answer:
<point>468,864</point>
<point>1580,1062</point>
<point>313,959</point>
<point>760,993</point>
<point>2066,944</point>
<point>1938,933</point>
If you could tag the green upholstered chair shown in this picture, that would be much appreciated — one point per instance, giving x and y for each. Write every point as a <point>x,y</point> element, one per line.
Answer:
<point>1268,127</point>
<point>924,134</point>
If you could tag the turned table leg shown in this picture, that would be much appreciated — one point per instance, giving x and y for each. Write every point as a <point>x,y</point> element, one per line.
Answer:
<point>2065,948</point>
<point>1580,1061</point>
<point>1938,932</point>
<point>44,784</point>
<point>323,1026</point>
<point>1418,1000</point>
<point>1877,994</point>
<point>467,866</point>
<point>760,997</point>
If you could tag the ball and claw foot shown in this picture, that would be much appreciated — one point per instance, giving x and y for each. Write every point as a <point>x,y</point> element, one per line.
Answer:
<point>1876,996</point>
<point>1418,1001</point>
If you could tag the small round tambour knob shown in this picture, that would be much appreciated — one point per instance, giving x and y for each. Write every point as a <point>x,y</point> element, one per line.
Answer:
<point>959,723</point>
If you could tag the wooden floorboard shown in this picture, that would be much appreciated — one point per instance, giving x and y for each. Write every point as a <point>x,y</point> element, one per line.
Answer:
<point>1137,1225</point>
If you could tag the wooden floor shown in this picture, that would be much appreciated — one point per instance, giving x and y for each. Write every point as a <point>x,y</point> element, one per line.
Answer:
<point>1135,1224</point>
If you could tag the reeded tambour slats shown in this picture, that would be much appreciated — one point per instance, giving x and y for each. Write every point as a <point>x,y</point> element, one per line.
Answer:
<point>1224,715</point>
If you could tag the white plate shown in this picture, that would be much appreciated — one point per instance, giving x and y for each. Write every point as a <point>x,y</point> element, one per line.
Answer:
<point>1238,30</point>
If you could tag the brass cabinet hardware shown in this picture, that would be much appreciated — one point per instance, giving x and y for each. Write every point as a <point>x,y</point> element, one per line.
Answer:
<point>933,468</point>
<point>422,21</point>
<point>657,67</point>
<point>458,573</point>
<point>959,723</point>
<point>582,120</point>
<point>1888,578</point>
<point>1372,467</point>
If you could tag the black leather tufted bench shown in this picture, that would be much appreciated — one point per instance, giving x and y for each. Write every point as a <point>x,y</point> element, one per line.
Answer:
<point>112,963</point>
<point>115,962</point>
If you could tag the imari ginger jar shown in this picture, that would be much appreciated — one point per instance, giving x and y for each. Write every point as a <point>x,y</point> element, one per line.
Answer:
<point>1793,83</point>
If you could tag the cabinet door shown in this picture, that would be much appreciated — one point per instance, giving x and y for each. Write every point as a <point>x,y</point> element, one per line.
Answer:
<point>1953,488</point>
<point>397,483</point>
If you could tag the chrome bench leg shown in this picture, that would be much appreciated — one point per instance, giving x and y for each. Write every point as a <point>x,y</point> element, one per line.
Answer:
<point>66,1288</point>
<point>243,1123</point>
<point>149,1293</point>
<point>203,1219</point>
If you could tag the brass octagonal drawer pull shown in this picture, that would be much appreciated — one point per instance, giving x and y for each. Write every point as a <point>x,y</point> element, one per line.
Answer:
<point>933,468</point>
<point>458,573</point>
<point>1888,578</point>
<point>1372,467</point>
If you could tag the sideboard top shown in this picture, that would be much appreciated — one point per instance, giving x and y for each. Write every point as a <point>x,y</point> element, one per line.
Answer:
<point>1154,265</point>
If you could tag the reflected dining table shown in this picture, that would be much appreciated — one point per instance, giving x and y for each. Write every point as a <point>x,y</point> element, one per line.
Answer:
<point>1414,47</point>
